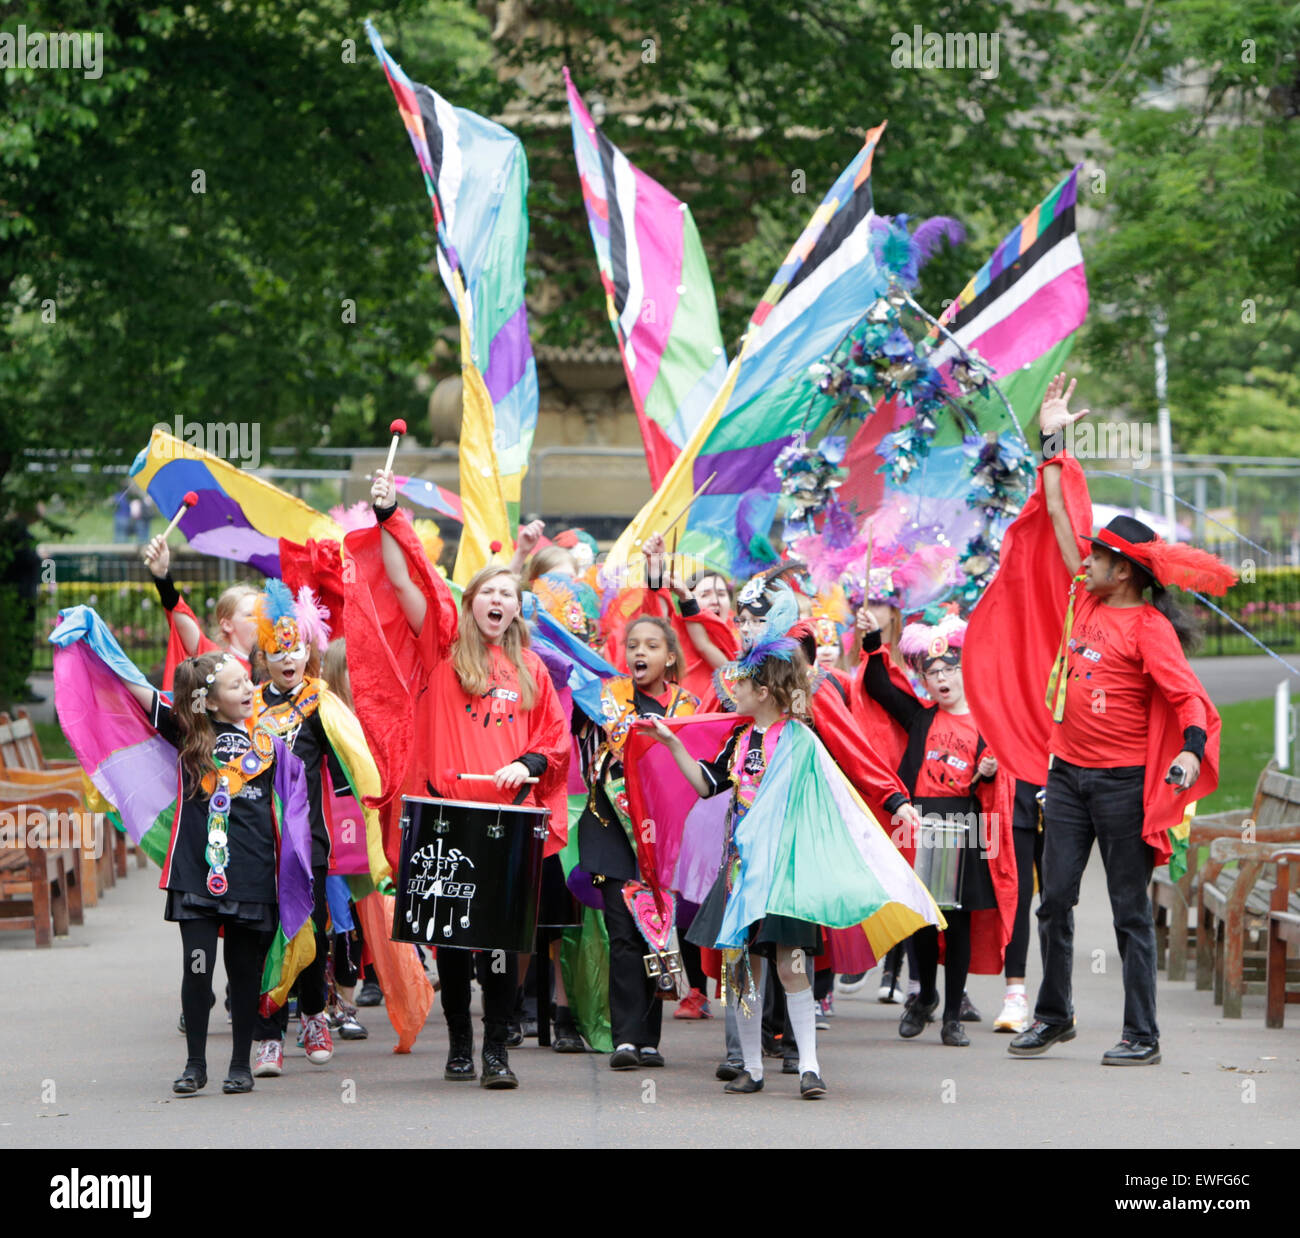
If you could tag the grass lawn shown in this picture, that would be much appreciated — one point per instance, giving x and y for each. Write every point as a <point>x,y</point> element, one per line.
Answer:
<point>1245,746</point>
<point>53,745</point>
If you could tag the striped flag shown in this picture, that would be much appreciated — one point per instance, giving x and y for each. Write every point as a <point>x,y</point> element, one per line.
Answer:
<point>476,177</point>
<point>658,292</point>
<point>1021,309</point>
<point>826,283</point>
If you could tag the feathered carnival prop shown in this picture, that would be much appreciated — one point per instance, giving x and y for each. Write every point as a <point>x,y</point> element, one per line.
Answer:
<point>775,641</point>
<point>923,643</point>
<point>571,603</point>
<point>759,593</point>
<point>285,626</point>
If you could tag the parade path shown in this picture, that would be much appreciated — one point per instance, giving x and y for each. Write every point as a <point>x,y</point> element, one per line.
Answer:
<point>90,1049</point>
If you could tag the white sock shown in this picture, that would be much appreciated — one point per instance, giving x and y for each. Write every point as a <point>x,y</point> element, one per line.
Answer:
<point>629,1048</point>
<point>1014,989</point>
<point>803,1022</point>
<point>750,1027</point>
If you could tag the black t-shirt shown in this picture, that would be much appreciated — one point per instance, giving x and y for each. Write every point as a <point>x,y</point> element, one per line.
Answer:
<point>717,773</point>
<point>250,830</point>
<point>308,743</point>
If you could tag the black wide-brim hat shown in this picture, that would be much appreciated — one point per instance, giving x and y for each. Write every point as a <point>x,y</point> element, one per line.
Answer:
<point>1168,563</point>
<point>1122,535</point>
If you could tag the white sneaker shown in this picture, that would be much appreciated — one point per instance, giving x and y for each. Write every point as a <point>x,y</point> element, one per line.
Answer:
<point>1015,1014</point>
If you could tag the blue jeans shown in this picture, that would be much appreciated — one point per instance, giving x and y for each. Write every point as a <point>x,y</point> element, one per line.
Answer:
<point>1105,804</point>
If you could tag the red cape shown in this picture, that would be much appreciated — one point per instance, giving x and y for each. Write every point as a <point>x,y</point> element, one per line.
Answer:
<point>319,565</point>
<point>1024,610</point>
<point>874,720</point>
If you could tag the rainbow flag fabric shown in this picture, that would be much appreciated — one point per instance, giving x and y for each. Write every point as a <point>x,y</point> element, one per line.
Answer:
<point>658,292</point>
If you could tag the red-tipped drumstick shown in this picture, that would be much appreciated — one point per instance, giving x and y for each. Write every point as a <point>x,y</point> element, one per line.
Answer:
<point>186,503</point>
<point>398,428</point>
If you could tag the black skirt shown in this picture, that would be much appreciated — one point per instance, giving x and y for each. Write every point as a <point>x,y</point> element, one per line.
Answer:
<point>764,935</point>
<point>182,905</point>
<point>556,907</point>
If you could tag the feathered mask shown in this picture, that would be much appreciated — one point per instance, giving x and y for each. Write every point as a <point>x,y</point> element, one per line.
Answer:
<point>283,625</point>
<point>923,643</point>
<point>759,593</point>
<point>775,641</point>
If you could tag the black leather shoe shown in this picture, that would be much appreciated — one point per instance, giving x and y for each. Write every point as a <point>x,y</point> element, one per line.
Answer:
<point>952,1033</point>
<point>237,1081</point>
<point>496,1068</point>
<point>568,1039</point>
<point>624,1059</point>
<point>727,1071</point>
<point>369,994</point>
<point>649,1058</point>
<point>1132,1053</point>
<point>811,1086</point>
<point>193,1079</point>
<point>514,1035</point>
<point>968,1012</point>
<point>1039,1037</point>
<point>460,1058</point>
<point>790,1066</point>
<point>744,1082</point>
<point>916,1016</point>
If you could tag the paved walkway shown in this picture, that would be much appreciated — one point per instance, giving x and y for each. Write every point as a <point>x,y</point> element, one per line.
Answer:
<point>91,1048</point>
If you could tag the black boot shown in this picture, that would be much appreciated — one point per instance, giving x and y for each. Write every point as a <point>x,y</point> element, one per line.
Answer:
<point>567,1037</point>
<point>496,1067</point>
<point>460,1055</point>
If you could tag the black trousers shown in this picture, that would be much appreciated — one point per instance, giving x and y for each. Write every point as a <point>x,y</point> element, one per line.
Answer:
<point>956,961</point>
<point>1106,805</point>
<point>500,981</point>
<point>310,984</point>
<point>245,949</point>
<point>1029,860</point>
<point>635,1013</point>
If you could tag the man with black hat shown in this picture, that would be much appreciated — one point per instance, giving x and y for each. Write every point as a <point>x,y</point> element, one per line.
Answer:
<point>1129,728</point>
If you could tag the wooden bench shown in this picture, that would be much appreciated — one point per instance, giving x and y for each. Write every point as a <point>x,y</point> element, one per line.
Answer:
<point>20,756</point>
<point>1172,901</point>
<point>40,881</point>
<point>1283,932</point>
<point>1234,912</point>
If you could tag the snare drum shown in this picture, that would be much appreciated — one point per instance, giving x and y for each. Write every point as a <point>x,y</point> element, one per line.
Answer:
<point>940,848</point>
<point>469,874</point>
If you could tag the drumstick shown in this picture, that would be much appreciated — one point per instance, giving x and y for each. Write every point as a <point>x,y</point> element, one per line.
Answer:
<point>708,481</point>
<point>484,778</point>
<point>398,428</point>
<point>186,503</point>
<point>871,546</point>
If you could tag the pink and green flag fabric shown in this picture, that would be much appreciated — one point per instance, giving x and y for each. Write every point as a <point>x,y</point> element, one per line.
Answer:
<point>658,293</point>
<point>1021,309</point>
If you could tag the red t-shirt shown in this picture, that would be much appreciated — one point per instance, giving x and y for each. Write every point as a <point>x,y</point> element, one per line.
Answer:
<point>948,767</point>
<point>1108,687</point>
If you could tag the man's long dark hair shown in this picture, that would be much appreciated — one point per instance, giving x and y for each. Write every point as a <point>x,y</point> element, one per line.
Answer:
<point>1185,626</point>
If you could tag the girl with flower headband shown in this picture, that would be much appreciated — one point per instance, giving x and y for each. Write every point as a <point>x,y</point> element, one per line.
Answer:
<point>801,850</point>
<point>606,835</point>
<point>294,704</point>
<point>949,772</point>
<point>239,858</point>
<point>442,693</point>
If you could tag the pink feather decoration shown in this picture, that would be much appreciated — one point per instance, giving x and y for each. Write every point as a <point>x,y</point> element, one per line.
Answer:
<point>359,516</point>
<point>313,619</point>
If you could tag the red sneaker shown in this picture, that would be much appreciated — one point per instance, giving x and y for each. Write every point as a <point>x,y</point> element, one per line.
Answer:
<point>316,1040</point>
<point>695,1005</point>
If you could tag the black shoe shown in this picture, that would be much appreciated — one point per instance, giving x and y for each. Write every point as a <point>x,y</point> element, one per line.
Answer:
<point>496,1068</point>
<point>811,1086</point>
<point>1039,1037</point>
<point>568,1039</point>
<point>238,1079</point>
<point>528,1029</point>
<point>624,1059</point>
<point>727,1071</point>
<point>790,1066</point>
<point>744,1082</point>
<point>460,1058</point>
<point>514,1035</point>
<point>952,1033</point>
<point>1132,1053</point>
<point>649,1058</point>
<point>916,1016</point>
<point>969,1014</point>
<point>193,1079</point>
<point>369,994</point>
<point>772,1046</point>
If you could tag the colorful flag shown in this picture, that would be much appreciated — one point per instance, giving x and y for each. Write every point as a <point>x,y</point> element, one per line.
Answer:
<point>477,180</point>
<point>823,287</point>
<point>238,516</point>
<point>1021,309</point>
<point>658,292</point>
<point>429,494</point>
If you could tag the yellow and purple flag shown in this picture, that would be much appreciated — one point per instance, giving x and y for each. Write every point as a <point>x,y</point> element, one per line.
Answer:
<point>476,177</point>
